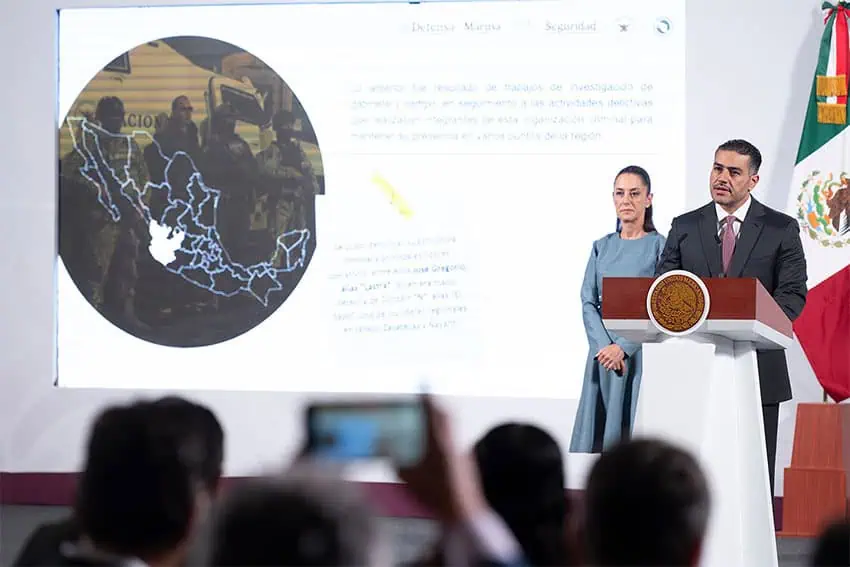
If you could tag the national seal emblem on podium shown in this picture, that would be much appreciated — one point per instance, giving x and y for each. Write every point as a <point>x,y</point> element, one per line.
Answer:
<point>677,303</point>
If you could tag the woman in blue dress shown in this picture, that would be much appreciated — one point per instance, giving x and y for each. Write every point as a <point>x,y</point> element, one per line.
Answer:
<point>606,409</point>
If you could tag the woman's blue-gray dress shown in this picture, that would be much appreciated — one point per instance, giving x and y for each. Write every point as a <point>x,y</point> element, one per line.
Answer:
<point>611,257</point>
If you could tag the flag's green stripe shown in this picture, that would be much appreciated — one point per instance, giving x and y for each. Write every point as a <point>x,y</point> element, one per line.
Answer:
<point>816,134</point>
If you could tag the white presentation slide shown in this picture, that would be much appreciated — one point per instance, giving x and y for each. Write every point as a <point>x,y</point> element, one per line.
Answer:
<point>352,197</point>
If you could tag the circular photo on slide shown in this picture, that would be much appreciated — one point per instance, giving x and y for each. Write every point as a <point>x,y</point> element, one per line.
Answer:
<point>188,175</point>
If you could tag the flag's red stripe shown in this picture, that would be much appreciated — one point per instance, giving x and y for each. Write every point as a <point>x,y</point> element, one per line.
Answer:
<point>842,47</point>
<point>823,330</point>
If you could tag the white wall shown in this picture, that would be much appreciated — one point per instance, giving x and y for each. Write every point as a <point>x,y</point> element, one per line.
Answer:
<point>750,65</point>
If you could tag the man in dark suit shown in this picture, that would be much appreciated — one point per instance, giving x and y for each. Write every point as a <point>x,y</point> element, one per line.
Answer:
<point>735,236</point>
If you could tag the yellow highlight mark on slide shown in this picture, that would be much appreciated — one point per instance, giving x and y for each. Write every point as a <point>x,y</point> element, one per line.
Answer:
<point>396,200</point>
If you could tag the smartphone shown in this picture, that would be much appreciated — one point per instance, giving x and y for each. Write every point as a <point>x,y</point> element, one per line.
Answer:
<point>392,430</point>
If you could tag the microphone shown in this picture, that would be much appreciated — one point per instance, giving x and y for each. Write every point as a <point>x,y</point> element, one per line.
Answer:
<point>719,242</point>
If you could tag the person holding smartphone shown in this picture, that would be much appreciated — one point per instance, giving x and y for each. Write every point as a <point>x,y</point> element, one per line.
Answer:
<point>440,477</point>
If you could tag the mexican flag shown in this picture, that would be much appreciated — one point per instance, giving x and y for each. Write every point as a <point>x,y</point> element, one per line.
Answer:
<point>820,199</point>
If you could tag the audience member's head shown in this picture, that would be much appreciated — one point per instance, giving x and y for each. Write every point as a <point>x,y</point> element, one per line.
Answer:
<point>136,496</point>
<point>196,425</point>
<point>303,518</point>
<point>647,504</point>
<point>833,546</point>
<point>522,475</point>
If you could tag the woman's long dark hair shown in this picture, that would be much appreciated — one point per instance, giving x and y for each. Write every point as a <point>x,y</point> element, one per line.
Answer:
<point>648,225</point>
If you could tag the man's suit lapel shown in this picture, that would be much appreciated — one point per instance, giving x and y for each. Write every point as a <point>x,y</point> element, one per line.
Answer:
<point>747,238</point>
<point>708,236</point>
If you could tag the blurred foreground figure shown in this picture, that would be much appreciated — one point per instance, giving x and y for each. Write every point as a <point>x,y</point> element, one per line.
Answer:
<point>647,504</point>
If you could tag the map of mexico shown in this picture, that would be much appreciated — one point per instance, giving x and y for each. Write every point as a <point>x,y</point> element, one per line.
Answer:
<point>188,178</point>
<point>185,237</point>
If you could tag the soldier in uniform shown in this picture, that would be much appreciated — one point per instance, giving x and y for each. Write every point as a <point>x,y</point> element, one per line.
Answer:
<point>119,284</point>
<point>110,277</point>
<point>175,133</point>
<point>230,167</point>
<point>80,221</point>
<point>288,178</point>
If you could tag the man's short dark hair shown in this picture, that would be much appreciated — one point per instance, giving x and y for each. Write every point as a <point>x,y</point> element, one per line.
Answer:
<point>522,475</point>
<point>647,504</point>
<point>299,519</point>
<point>136,495</point>
<point>199,426</point>
<point>744,148</point>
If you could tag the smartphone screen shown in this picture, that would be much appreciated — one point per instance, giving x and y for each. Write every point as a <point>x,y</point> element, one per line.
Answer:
<point>383,430</point>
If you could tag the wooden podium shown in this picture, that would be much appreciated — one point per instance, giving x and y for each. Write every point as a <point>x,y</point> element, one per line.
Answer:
<point>817,484</point>
<point>700,390</point>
